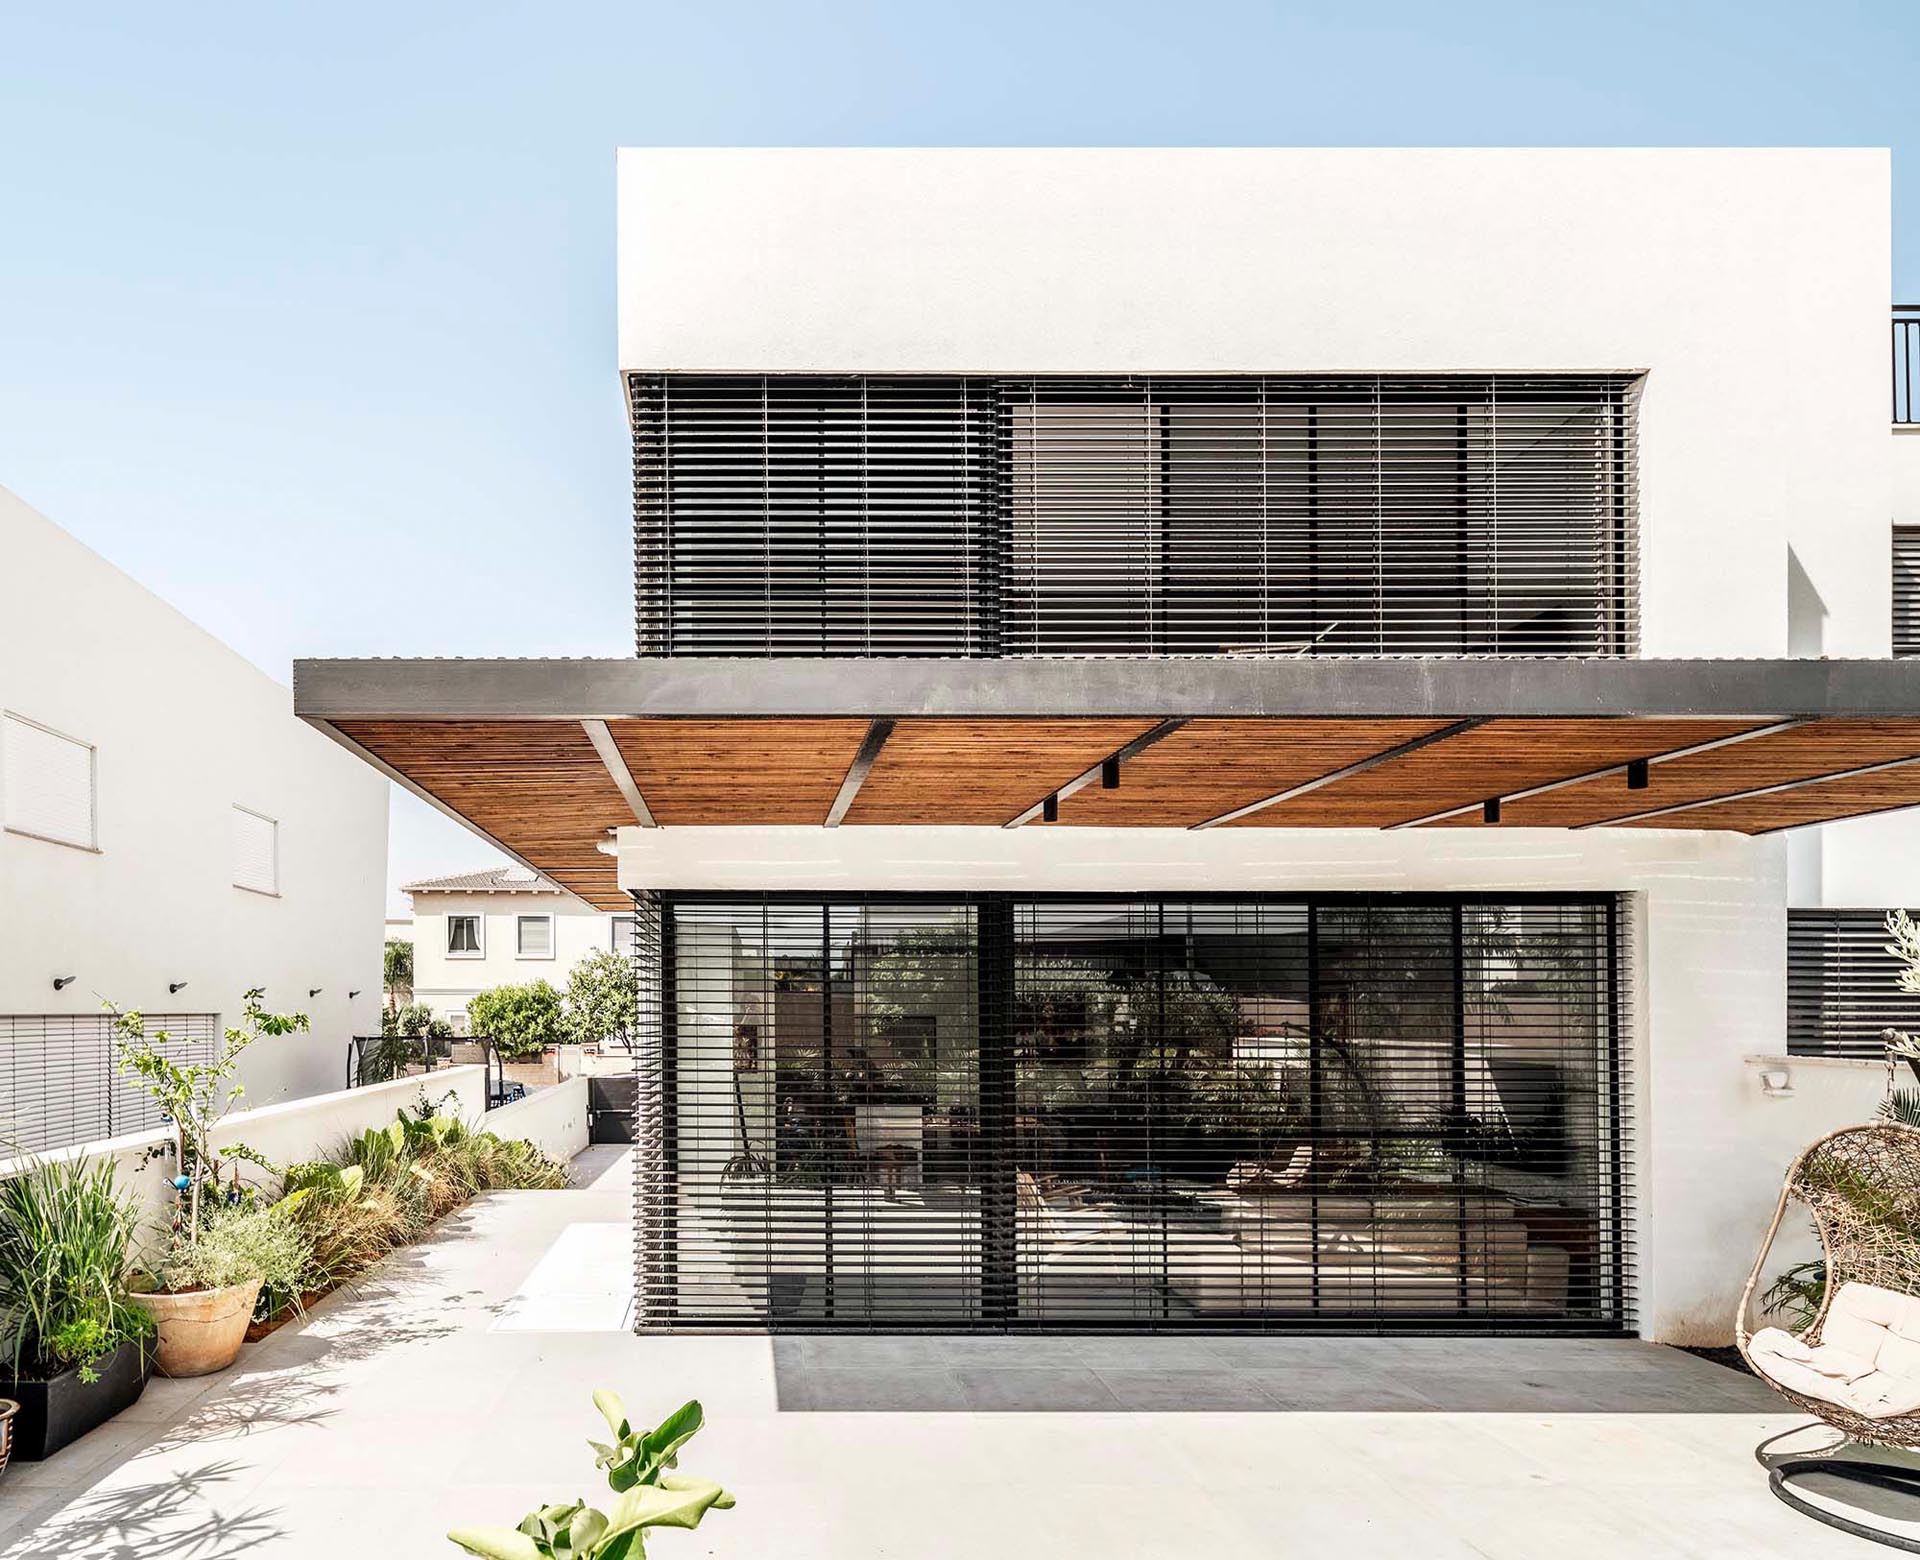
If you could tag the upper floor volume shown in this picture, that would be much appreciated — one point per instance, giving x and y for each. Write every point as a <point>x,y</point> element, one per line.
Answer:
<point>1259,402</point>
<point>926,515</point>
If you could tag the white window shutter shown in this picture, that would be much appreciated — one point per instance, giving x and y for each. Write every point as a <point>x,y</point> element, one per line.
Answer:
<point>536,937</point>
<point>256,851</point>
<point>47,783</point>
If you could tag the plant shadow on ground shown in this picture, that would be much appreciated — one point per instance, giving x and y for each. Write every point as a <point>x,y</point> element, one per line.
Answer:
<point>170,1517</point>
<point>286,1382</point>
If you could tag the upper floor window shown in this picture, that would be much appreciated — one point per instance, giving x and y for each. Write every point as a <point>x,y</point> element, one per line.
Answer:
<point>256,851</point>
<point>46,783</point>
<point>920,515</point>
<point>533,937</point>
<point>1906,590</point>
<point>466,937</point>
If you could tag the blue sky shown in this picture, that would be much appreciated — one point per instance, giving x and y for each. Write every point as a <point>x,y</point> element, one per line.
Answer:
<point>306,313</point>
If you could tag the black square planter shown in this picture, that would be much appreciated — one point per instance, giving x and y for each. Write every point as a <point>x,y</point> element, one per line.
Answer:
<point>57,1412</point>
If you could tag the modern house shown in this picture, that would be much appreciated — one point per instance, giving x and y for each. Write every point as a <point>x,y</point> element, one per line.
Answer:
<point>502,926</point>
<point>1216,736</point>
<point>170,838</point>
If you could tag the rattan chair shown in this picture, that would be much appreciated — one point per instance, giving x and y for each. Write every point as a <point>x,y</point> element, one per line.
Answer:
<point>1862,1186</point>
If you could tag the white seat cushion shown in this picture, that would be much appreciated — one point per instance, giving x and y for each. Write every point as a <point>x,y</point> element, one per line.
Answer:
<point>1868,1358</point>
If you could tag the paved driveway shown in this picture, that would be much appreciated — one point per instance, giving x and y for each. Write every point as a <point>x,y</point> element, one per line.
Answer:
<point>454,1388</point>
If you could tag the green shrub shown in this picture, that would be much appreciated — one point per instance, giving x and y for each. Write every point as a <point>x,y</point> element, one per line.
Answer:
<point>519,1020</point>
<point>237,1244</point>
<point>66,1256</point>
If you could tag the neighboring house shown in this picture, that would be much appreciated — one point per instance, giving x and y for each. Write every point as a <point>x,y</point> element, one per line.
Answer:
<point>170,836</point>
<point>1216,734</point>
<point>500,927</point>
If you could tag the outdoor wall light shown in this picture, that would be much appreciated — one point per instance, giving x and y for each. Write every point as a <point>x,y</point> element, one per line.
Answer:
<point>61,982</point>
<point>174,987</point>
<point>312,992</point>
<point>1109,774</point>
<point>1490,810</point>
<point>1050,809</point>
<point>351,995</point>
<point>1775,1082</point>
<point>1637,775</point>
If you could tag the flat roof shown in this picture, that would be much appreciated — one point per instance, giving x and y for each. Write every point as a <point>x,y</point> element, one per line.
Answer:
<point>544,757</point>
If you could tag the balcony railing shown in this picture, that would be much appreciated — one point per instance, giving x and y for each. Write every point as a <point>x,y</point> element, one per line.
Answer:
<point>1906,362</point>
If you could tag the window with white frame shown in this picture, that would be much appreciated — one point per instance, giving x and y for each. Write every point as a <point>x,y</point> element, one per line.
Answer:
<point>533,936</point>
<point>623,936</point>
<point>46,783</point>
<point>466,937</point>
<point>256,851</point>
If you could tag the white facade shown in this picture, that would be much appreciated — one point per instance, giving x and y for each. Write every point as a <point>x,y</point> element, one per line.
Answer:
<point>448,972</point>
<point>225,845</point>
<point>1751,289</point>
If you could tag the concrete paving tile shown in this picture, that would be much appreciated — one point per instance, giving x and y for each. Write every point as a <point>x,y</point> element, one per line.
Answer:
<point>896,1389</point>
<point>1350,1391</point>
<point>1187,1391</point>
<point>1053,1389</point>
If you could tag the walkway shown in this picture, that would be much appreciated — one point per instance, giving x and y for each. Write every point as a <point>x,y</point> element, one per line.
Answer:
<point>454,1387</point>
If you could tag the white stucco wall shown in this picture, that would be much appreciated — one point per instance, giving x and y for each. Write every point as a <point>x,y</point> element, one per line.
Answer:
<point>446,983</point>
<point>552,1119</point>
<point>184,729</point>
<point>1752,286</point>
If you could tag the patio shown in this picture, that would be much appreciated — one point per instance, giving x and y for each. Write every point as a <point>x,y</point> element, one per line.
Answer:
<point>453,1387</point>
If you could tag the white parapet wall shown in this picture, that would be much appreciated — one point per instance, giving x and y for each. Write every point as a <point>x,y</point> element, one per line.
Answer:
<point>552,1119</point>
<point>309,1128</point>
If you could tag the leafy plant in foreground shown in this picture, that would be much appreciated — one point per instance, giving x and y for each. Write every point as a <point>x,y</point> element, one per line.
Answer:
<point>639,1467</point>
<point>66,1253</point>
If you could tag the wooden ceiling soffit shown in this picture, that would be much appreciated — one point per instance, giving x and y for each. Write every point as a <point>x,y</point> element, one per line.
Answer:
<point>739,771</point>
<point>945,770</point>
<point>1677,788</point>
<point>537,788</point>
<point>1494,758</point>
<point>1211,766</point>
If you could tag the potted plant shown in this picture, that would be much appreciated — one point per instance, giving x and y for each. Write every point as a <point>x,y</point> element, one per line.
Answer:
<point>208,1281</point>
<point>202,1300</point>
<point>75,1345</point>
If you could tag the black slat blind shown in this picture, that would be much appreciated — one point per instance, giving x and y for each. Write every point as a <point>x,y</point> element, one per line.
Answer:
<point>60,1081</point>
<point>1842,984</point>
<point>781,515</point>
<point>1906,590</point>
<point>1145,1112</point>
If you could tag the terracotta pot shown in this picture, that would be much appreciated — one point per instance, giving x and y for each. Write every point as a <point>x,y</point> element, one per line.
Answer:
<point>8,1408</point>
<point>200,1331</point>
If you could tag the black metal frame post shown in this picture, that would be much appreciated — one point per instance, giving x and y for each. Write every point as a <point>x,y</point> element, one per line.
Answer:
<point>998,1148</point>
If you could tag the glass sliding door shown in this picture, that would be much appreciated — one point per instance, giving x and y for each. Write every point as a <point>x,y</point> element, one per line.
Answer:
<point>826,1112</point>
<point>1145,1111</point>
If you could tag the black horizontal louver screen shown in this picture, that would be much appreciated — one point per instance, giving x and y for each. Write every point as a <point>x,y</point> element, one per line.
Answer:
<point>805,516</point>
<point>1843,989</point>
<point>780,515</point>
<point>1144,1112</point>
<point>61,1083</point>
<point>1906,590</point>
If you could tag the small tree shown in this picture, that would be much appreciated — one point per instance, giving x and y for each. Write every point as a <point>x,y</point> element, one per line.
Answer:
<point>396,974</point>
<point>519,1020</point>
<point>602,1002</point>
<point>195,1097</point>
